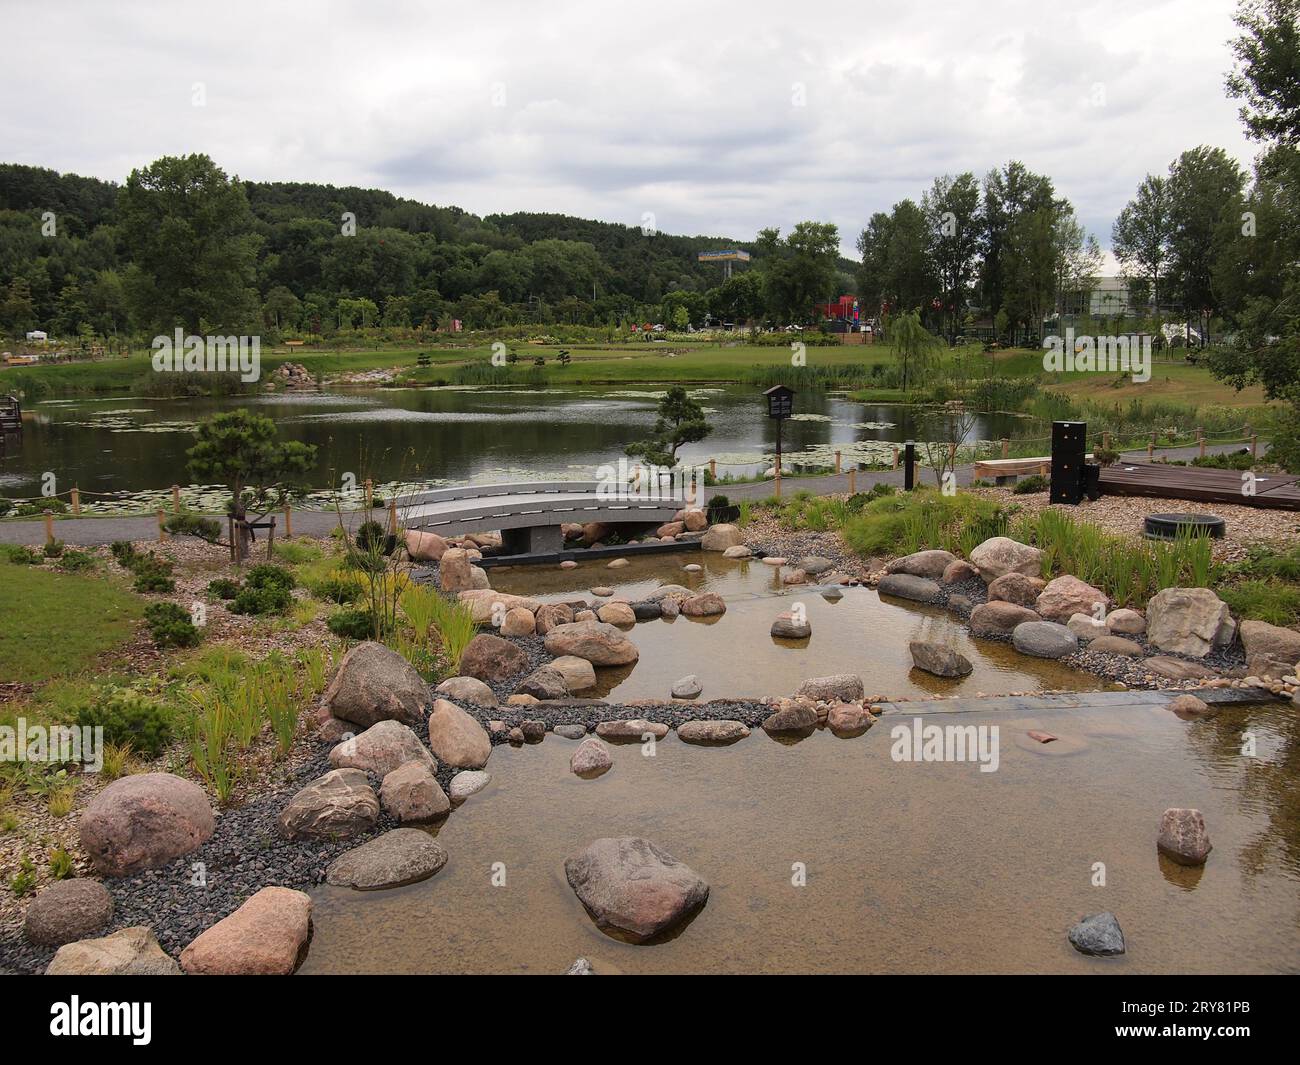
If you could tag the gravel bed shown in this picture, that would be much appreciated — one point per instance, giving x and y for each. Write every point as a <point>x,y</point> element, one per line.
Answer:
<point>245,854</point>
<point>591,712</point>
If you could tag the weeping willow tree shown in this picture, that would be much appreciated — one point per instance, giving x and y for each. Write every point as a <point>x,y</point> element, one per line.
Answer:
<point>914,346</point>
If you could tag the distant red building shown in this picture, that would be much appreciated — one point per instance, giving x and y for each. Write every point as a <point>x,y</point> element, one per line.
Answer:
<point>844,309</point>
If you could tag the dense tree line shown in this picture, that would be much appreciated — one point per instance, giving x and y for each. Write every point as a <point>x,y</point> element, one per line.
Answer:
<point>183,244</point>
<point>1006,249</point>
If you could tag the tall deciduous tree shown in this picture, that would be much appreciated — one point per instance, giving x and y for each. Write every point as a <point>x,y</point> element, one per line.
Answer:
<point>1267,72</point>
<point>1142,234</point>
<point>1205,186</point>
<point>189,232</point>
<point>952,211</point>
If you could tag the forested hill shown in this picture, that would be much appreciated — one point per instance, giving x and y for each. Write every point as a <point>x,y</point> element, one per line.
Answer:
<point>432,256</point>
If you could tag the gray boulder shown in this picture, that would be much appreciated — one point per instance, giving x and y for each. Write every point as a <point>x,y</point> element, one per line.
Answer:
<point>632,886</point>
<point>939,660</point>
<point>842,687</point>
<point>128,952</point>
<point>383,747</point>
<point>374,683</point>
<point>929,564</point>
<point>401,856</point>
<point>1098,935</point>
<point>906,586</point>
<point>338,805</point>
<point>1044,639</point>
<point>544,683</point>
<point>68,910</point>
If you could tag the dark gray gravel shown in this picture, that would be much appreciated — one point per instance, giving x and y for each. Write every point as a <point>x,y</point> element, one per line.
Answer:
<point>245,854</point>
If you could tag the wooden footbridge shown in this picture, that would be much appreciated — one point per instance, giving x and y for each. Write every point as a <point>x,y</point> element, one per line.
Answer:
<point>530,514</point>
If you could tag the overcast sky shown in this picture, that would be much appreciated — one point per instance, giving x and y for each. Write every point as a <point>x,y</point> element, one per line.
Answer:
<point>716,118</point>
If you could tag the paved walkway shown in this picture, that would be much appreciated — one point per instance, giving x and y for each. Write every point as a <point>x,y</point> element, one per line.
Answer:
<point>88,531</point>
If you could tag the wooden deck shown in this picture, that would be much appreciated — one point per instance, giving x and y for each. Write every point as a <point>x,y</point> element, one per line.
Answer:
<point>1276,491</point>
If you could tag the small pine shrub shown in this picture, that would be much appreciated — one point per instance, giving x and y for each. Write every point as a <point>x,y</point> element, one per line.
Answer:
<point>352,624</point>
<point>53,549</point>
<point>267,575</point>
<point>223,588</point>
<point>129,717</point>
<point>261,602</point>
<point>76,561</point>
<point>19,555</point>
<point>170,626</point>
<point>1029,485</point>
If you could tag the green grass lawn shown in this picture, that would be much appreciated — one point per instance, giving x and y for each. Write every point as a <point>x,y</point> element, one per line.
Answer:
<point>687,361</point>
<point>55,624</point>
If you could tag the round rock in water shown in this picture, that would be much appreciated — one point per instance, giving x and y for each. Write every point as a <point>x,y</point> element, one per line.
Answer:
<point>687,688</point>
<point>569,732</point>
<point>1044,639</point>
<point>939,660</point>
<point>1183,837</point>
<point>634,888</point>
<point>402,856</point>
<point>1098,935</point>
<point>468,782</point>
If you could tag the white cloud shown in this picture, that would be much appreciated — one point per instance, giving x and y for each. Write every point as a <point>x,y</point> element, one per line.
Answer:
<point>686,110</point>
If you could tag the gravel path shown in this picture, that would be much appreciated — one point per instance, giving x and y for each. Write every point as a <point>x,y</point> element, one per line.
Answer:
<point>88,530</point>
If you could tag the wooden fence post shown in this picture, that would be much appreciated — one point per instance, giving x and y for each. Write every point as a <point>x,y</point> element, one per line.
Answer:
<point>713,468</point>
<point>76,501</point>
<point>392,517</point>
<point>288,522</point>
<point>1105,441</point>
<point>162,517</point>
<point>837,462</point>
<point>1006,447</point>
<point>1151,447</point>
<point>176,499</point>
<point>895,456</point>
<point>1200,438</point>
<point>1254,446</point>
<point>370,494</point>
<point>49,525</point>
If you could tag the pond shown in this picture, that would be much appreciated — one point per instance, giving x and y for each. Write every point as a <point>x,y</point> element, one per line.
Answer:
<point>446,435</point>
<point>910,867</point>
<point>736,655</point>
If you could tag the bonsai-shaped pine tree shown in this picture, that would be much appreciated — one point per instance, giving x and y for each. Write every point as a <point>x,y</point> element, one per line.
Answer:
<point>681,421</point>
<point>241,451</point>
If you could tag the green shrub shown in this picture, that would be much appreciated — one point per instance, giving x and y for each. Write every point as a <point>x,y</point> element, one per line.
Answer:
<point>170,625</point>
<point>371,539</point>
<point>53,549</point>
<point>223,588</point>
<point>19,555</point>
<point>124,552</point>
<point>152,574</point>
<point>190,524</point>
<point>267,575</point>
<point>76,561</point>
<point>335,588</point>
<point>261,601</point>
<point>5,506</point>
<point>129,717</point>
<point>352,624</point>
<point>1232,460</point>
<point>1029,485</point>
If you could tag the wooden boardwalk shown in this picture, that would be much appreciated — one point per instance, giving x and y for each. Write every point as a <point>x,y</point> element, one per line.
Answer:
<point>1200,484</point>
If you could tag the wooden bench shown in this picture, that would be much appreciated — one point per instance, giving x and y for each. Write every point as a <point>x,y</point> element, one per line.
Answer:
<point>1004,470</point>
